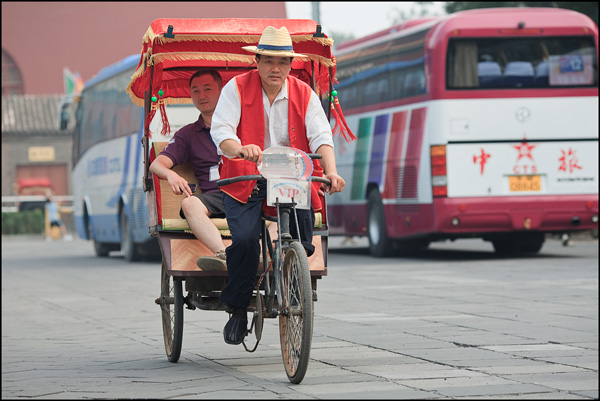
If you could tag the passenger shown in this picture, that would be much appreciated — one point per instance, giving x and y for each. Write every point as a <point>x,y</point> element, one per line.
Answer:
<point>193,144</point>
<point>260,121</point>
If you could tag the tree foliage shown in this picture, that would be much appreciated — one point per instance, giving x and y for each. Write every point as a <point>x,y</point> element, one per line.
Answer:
<point>340,37</point>
<point>588,8</point>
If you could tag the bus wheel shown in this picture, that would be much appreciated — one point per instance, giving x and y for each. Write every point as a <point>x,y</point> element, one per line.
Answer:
<point>100,248</point>
<point>506,245</point>
<point>380,244</point>
<point>128,247</point>
<point>532,243</point>
<point>412,247</point>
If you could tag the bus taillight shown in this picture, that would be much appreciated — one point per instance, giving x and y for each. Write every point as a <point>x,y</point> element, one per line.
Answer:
<point>439,180</point>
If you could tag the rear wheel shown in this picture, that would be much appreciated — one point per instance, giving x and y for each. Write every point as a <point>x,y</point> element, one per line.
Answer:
<point>380,244</point>
<point>129,248</point>
<point>506,246</point>
<point>511,245</point>
<point>532,243</point>
<point>296,320</point>
<point>100,248</point>
<point>412,247</point>
<point>171,306</point>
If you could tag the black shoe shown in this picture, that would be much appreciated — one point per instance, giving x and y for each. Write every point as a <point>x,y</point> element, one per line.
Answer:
<point>236,328</point>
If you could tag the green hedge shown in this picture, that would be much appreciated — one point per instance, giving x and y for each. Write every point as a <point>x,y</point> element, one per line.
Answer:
<point>26,222</point>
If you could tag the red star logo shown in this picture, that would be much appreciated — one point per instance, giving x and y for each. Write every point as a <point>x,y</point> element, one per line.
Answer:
<point>524,150</point>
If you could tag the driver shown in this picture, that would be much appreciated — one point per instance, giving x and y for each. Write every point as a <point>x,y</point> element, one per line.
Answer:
<point>259,109</point>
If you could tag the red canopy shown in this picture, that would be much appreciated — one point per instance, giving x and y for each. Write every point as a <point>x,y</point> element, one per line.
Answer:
<point>217,43</point>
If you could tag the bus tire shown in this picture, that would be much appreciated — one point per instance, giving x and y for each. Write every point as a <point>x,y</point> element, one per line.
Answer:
<point>380,244</point>
<point>532,243</point>
<point>412,246</point>
<point>129,248</point>
<point>100,248</point>
<point>506,245</point>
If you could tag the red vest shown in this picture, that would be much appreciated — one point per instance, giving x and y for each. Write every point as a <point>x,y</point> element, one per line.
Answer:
<point>251,130</point>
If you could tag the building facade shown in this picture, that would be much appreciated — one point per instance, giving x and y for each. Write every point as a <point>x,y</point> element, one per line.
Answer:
<point>41,39</point>
<point>33,146</point>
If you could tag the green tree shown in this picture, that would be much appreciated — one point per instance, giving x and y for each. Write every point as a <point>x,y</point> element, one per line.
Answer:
<point>588,8</point>
<point>339,37</point>
<point>417,10</point>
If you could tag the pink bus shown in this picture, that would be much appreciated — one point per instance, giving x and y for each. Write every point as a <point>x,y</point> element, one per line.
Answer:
<point>481,123</point>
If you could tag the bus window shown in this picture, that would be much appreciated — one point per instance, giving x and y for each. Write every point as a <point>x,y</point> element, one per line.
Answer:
<point>494,63</point>
<point>397,82</point>
<point>414,82</point>
<point>348,96</point>
<point>376,89</point>
<point>462,65</point>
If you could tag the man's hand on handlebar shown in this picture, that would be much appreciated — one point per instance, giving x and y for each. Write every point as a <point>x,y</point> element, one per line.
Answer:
<point>251,153</point>
<point>337,183</point>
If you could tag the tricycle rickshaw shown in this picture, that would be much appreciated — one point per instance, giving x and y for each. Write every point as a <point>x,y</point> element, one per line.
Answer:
<point>173,49</point>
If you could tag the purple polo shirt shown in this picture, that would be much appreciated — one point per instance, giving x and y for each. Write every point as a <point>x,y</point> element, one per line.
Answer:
<point>193,144</point>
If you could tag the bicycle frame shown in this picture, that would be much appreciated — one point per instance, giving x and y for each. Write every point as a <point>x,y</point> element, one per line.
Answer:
<point>284,238</point>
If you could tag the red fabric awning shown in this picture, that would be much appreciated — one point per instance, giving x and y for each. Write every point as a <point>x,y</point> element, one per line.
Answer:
<point>33,182</point>
<point>218,43</point>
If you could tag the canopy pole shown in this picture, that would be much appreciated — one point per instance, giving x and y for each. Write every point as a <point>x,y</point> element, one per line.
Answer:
<point>312,79</point>
<point>330,94</point>
<point>147,183</point>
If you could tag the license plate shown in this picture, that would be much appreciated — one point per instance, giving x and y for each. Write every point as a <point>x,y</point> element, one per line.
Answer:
<point>525,183</point>
<point>287,191</point>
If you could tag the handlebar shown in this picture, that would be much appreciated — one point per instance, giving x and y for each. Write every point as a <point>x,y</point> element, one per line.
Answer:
<point>313,156</point>
<point>258,177</point>
<point>233,180</point>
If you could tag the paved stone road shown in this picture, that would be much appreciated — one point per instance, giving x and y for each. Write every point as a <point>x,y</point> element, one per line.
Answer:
<point>455,322</point>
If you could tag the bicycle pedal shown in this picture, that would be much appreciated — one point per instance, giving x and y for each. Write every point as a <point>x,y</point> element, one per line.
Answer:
<point>315,297</point>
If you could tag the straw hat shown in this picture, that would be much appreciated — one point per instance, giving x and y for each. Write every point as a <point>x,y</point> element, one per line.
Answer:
<point>274,42</point>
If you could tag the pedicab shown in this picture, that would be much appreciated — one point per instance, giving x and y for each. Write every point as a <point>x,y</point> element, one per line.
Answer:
<point>286,282</point>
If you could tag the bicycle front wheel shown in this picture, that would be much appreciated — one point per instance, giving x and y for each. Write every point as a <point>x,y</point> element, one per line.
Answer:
<point>296,319</point>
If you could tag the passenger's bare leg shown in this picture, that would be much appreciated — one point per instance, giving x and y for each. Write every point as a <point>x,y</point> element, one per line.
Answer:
<point>197,216</point>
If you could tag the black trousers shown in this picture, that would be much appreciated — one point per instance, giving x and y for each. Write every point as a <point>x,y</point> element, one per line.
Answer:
<point>243,255</point>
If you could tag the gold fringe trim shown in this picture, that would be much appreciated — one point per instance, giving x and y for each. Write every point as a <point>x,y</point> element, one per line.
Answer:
<point>183,56</point>
<point>178,100</point>
<point>151,37</point>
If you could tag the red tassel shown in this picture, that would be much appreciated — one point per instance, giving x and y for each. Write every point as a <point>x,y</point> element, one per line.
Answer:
<point>157,101</point>
<point>341,121</point>
<point>166,127</point>
<point>336,118</point>
<point>149,118</point>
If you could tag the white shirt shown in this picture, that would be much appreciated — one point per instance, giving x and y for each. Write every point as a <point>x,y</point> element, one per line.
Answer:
<point>226,118</point>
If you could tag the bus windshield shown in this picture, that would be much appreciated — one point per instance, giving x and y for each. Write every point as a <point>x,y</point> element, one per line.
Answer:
<point>533,62</point>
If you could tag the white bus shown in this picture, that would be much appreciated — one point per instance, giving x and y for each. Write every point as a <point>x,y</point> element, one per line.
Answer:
<point>110,206</point>
<point>482,123</point>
